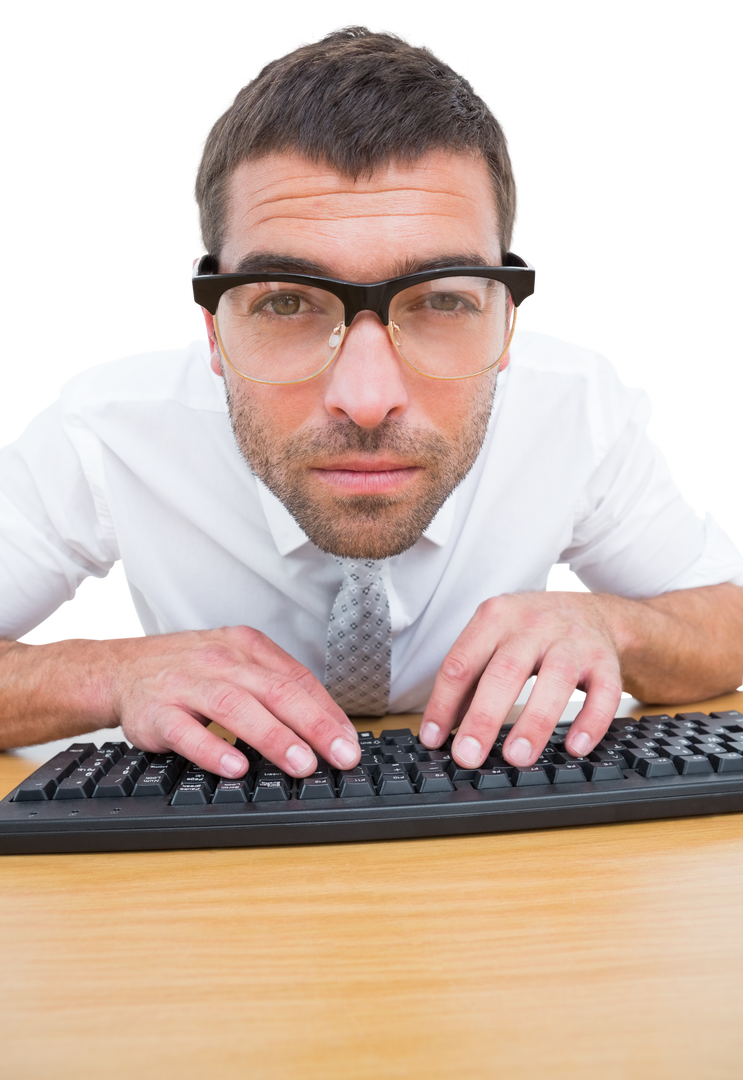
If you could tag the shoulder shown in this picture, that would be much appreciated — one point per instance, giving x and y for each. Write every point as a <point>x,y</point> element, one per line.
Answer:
<point>539,353</point>
<point>180,377</point>
<point>559,385</point>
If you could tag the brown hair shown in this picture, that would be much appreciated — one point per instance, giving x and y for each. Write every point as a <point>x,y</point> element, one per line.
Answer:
<point>356,101</point>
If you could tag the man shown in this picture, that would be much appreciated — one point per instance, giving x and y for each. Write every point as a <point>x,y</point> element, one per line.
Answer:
<point>387,484</point>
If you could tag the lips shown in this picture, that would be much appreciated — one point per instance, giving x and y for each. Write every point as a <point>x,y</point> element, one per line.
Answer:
<point>365,463</point>
<point>365,477</point>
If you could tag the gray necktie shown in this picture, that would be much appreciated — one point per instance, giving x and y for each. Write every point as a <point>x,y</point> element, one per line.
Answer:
<point>358,658</point>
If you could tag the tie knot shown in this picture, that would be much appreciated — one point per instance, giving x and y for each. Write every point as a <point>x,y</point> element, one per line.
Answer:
<point>361,573</point>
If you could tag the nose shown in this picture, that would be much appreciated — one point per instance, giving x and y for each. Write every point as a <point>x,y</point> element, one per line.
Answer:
<point>366,381</point>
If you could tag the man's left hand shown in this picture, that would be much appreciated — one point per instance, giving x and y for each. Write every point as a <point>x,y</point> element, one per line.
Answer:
<point>564,639</point>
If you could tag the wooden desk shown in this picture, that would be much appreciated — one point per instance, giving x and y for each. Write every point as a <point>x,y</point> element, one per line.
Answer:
<point>604,952</point>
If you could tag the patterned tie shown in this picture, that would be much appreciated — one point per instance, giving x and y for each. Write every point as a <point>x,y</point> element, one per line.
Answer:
<point>357,664</point>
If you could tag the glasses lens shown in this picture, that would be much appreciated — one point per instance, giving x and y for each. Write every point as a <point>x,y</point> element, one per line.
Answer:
<point>281,332</point>
<point>452,327</point>
<point>277,332</point>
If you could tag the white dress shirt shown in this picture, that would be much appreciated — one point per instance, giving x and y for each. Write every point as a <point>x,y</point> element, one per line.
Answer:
<point>137,462</point>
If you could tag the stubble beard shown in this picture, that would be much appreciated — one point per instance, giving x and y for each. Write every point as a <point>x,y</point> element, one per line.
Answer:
<point>361,526</point>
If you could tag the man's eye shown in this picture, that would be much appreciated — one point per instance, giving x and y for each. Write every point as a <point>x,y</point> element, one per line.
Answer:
<point>444,301</point>
<point>286,304</point>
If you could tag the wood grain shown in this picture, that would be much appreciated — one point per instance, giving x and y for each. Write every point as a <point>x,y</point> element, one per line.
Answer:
<point>605,951</point>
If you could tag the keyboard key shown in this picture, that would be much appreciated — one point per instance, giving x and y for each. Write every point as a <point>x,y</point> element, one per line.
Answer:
<point>394,784</point>
<point>434,781</point>
<point>488,779</point>
<point>611,757</point>
<point>78,785</point>
<point>154,781</point>
<point>568,773</point>
<point>729,762</point>
<point>655,766</point>
<point>232,791</point>
<point>399,757</point>
<point>459,772</point>
<point>41,785</point>
<point>398,737</point>
<point>316,787</point>
<point>354,787</point>
<point>568,759</point>
<point>191,794</point>
<point>118,784</point>
<point>194,775</point>
<point>603,770</point>
<point>693,764</point>
<point>270,791</point>
<point>37,788</point>
<point>530,775</point>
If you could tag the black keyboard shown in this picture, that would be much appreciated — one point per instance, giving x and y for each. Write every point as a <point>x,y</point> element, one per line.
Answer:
<point>116,798</point>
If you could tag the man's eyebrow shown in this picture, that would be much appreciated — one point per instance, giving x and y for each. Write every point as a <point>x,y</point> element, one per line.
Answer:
<point>266,262</point>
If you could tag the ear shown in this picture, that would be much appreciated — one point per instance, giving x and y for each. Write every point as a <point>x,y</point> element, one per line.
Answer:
<point>507,358</point>
<point>216,359</point>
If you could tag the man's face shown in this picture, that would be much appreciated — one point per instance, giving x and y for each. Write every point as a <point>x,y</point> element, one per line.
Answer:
<point>364,454</point>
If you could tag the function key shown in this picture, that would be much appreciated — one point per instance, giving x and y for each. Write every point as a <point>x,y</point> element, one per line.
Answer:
<point>530,775</point>
<point>355,784</point>
<point>604,770</point>
<point>394,783</point>
<point>654,766</point>
<point>434,780</point>
<point>459,772</point>
<point>729,762</point>
<point>692,764</point>
<point>490,779</point>
<point>316,787</point>
<point>568,772</point>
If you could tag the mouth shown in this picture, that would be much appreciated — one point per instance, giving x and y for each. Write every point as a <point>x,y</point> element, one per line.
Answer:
<point>367,476</point>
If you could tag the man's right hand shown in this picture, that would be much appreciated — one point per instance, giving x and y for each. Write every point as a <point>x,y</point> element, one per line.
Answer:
<point>165,689</point>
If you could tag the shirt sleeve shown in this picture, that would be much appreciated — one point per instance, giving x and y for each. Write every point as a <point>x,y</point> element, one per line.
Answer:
<point>55,531</point>
<point>634,534</point>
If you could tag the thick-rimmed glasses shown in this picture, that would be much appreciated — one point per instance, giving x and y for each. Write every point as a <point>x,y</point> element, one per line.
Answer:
<point>279,328</point>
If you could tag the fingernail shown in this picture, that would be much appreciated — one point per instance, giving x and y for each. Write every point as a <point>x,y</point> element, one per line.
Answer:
<point>232,765</point>
<point>344,752</point>
<point>580,744</point>
<point>519,751</point>
<point>469,750</point>
<point>300,758</point>
<point>430,734</point>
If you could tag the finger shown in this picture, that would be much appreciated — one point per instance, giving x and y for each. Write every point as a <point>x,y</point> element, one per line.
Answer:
<point>603,695</point>
<point>178,730</point>
<point>459,672</point>
<point>500,684</point>
<point>299,714</point>
<point>552,691</point>
<point>558,676</point>
<point>269,712</point>
<point>261,650</point>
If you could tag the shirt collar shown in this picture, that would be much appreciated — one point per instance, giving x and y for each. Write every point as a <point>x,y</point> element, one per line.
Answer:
<point>288,535</point>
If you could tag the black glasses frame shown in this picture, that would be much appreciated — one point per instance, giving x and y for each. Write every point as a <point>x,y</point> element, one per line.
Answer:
<point>208,287</point>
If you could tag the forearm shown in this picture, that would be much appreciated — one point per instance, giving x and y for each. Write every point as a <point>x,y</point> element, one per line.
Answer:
<point>55,691</point>
<point>682,646</point>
